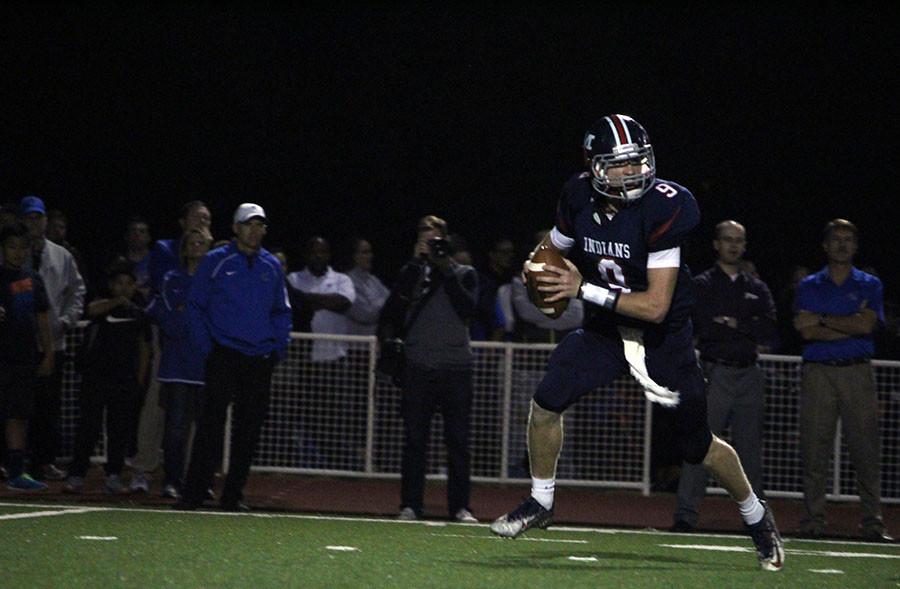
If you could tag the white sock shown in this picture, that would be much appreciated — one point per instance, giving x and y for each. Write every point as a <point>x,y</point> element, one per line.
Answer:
<point>542,491</point>
<point>751,509</point>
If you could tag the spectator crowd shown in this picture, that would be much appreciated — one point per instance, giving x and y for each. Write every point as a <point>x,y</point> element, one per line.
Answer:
<point>144,373</point>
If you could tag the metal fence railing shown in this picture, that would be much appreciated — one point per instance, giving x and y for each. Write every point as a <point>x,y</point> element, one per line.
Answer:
<point>336,418</point>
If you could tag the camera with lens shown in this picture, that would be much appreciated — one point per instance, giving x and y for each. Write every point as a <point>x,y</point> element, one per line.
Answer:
<point>440,247</point>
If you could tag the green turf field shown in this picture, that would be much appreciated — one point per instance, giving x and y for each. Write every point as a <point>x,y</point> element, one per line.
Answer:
<point>82,546</point>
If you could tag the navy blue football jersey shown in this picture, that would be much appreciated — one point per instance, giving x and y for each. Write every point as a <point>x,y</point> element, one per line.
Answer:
<point>612,251</point>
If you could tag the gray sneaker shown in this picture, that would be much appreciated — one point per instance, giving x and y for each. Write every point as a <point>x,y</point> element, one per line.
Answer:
<point>170,492</point>
<point>464,516</point>
<point>74,485</point>
<point>114,485</point>
<point>50,472</point>
<point>408,514</point>
<point>139,482</point>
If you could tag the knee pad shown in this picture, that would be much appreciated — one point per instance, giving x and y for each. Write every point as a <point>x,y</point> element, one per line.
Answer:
<point>695,445</point>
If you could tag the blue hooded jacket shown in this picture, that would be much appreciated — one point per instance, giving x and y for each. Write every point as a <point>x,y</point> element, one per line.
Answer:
<point>240,302</point>
<point>181,361</point>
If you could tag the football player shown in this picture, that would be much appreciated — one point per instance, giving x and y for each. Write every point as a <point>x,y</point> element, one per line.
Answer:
<point>622,229</point>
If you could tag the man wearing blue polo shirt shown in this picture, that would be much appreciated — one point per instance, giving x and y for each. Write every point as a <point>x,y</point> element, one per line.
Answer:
<point>240,319</point>
<point>838,309</point>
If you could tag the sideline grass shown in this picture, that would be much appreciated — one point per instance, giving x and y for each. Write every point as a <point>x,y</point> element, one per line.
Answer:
<point>170,549</point>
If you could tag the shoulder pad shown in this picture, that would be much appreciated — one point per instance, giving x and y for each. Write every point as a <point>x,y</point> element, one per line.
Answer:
<point>576,194</point>
<point>671,212</point>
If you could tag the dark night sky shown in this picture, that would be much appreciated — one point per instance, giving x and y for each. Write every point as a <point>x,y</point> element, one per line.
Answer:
<point>359,120</point>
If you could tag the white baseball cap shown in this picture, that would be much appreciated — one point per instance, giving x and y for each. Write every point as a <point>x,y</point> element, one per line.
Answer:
<point>248,211</point>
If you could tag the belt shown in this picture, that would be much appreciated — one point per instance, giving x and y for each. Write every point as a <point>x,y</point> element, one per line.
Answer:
<point>729,363</point>
<point>842,362</point>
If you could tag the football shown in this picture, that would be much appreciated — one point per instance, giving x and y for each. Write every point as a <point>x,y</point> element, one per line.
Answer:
<point>535,269</point>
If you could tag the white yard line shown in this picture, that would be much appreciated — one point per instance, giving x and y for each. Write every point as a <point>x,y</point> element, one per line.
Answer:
<point>525,539</point>
<point>709,547</point>
<point>787,551</point>
<point>61,511</point>
<point>67,508</point>
<point>843,554</point>
<point>653,532</point>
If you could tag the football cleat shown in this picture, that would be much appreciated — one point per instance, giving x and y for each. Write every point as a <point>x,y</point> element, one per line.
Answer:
<point>769,546</point>
<point>530,514</point>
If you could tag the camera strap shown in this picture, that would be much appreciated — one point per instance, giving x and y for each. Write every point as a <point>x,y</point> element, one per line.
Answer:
<point>427,286</point>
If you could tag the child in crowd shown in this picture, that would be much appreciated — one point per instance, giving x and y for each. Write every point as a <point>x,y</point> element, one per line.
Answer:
<point>24,323</point>
<point>114,361</point>
<point>181,365</point>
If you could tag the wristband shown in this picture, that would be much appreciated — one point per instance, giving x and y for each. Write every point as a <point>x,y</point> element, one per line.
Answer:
<point>606,298</point>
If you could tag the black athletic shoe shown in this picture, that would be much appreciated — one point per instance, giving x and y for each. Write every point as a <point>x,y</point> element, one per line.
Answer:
<point>877,534</point>
<point>235,507</point>
<point>530,514</point>
<point>682,527</point>
<point>182,505</point>
<point>769,546</point>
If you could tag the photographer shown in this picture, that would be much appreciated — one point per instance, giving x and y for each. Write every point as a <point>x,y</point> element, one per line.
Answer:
<point>429,310</point>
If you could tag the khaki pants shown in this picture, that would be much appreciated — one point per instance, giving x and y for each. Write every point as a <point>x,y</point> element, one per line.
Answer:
<point>735,400</point>
<point>848,392</point>
<point>152,421</point>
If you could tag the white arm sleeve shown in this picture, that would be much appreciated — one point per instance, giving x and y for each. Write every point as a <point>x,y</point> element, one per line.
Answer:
<point>560,241</point>
<point>670,258</point>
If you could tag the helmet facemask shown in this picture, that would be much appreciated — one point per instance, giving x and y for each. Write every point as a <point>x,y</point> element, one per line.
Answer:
<point>628,188</point>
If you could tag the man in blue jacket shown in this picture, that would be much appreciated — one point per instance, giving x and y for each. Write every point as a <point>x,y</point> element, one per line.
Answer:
<point>240,319</point>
